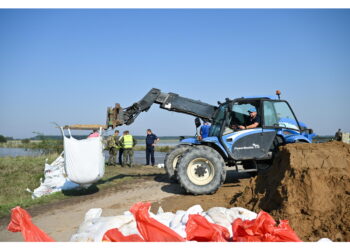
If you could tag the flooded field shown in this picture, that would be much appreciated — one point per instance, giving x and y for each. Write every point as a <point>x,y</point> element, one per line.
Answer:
<point>139,156</point>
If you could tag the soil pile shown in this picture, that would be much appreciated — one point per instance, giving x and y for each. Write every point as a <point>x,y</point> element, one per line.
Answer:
<point>309,185</point>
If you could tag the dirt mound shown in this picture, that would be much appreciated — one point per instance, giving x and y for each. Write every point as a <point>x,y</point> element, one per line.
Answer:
<point>309,185</point>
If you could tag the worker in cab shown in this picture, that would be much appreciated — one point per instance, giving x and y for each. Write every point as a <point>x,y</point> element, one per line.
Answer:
<point>128,142</point>
<point>253,121</point>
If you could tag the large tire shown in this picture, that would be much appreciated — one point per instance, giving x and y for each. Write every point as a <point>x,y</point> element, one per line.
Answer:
<point>201,170</point>
<point>223,175</point>
<point>171,160</point>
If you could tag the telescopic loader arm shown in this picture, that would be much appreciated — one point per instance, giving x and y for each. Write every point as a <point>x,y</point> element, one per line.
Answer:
<point>118,116</point>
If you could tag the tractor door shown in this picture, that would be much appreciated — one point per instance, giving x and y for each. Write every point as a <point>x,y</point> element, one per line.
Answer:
<point>279,115</point>
<point>248,143</point>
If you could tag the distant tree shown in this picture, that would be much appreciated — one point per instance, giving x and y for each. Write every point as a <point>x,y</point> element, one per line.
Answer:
<point>48,145</point>
<point>25,141</point>
<point>3,138</point>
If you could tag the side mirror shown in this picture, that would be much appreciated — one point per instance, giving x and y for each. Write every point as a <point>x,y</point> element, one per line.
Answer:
<point>197,122</point>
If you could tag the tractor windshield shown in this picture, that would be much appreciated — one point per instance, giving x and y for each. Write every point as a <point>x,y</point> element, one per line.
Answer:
<point>279,114</point>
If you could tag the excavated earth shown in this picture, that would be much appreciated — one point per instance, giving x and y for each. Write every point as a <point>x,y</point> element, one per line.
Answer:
<point>309,185</point>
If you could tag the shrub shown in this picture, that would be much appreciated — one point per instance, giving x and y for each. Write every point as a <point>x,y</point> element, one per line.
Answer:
<point>25,141</point>
<point>48,146</point>
<point>3,138</point>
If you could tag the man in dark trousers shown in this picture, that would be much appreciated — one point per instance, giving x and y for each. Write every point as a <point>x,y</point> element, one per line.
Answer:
<point>121,151</point>
<point>151,140</point>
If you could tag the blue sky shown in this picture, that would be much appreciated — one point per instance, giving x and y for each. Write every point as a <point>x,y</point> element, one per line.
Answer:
<point>68,65</point>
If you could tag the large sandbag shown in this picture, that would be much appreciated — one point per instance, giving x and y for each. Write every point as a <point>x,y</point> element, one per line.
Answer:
<point>84,159</point>
<point>94,226</point>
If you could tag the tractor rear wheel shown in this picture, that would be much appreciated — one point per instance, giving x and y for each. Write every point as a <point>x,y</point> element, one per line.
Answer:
<point>201,170</point>
<point>171,160</point>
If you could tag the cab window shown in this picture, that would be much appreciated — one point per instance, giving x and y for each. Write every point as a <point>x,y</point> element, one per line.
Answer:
<point>240,113</point>
<point>278,114</point>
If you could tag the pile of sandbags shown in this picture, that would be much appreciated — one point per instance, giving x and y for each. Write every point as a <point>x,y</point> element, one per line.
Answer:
<point>55,179</point>
<point>218,224</point>
<point>94,226</point>
<point>80,164</point>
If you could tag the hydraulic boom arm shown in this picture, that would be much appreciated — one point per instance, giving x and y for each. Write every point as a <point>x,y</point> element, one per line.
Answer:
<point>118,116</point>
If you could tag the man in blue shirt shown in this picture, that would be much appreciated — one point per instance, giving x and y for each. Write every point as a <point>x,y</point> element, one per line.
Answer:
<point>205,130</point>
<point>151,140</point>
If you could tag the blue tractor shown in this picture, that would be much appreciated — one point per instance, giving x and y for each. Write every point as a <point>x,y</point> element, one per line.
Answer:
<point>199,164</point>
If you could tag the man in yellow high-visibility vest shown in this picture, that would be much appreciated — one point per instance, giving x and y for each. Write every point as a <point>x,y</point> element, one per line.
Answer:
<point>128,142</point>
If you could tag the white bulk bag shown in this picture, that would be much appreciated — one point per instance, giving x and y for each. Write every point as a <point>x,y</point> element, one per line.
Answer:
<point>84,159</point>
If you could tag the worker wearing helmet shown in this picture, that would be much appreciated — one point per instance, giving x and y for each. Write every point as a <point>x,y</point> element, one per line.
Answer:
<point>254,119</point>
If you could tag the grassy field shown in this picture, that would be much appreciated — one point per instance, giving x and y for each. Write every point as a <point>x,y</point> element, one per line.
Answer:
<point>19,173</point>
<point>16,175</point>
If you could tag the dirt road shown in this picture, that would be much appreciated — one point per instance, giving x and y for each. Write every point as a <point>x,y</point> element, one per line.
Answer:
<point>61,219</point>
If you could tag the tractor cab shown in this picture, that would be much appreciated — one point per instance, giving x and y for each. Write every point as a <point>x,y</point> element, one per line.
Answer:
<point>272,113</point>
<point>274,124</point>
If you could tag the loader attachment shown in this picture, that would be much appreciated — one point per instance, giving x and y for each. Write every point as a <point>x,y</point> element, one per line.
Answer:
<point>118,116</point>
<point>115,116</point>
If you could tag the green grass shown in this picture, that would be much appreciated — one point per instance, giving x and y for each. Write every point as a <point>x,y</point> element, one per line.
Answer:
<point>16,175</point>
<point>19,173</point>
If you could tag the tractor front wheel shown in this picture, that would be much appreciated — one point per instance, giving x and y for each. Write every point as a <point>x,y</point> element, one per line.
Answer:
<point>201,170</point>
